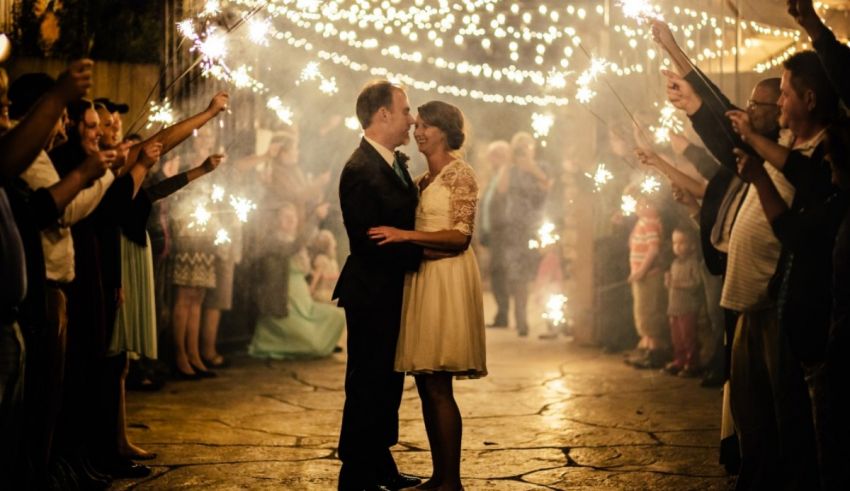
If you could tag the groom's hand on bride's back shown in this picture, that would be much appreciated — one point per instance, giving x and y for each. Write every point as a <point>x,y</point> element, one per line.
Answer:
<point>433,254</point>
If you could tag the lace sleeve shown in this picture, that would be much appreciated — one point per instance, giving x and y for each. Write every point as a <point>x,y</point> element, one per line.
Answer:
<point>463,187</point>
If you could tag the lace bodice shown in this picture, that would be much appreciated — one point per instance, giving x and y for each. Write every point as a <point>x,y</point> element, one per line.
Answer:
<point>449,202</point>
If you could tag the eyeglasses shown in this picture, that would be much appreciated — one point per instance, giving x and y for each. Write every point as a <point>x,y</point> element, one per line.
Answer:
<point>751,104</point>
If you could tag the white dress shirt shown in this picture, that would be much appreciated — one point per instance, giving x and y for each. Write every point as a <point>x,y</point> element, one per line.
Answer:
<point>386,153</point>
<point>56,240</point>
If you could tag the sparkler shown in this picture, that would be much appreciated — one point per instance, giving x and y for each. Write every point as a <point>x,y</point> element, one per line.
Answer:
<point>555,307</point>
<point>601,176</point>
<point>201,217</point>
<point>211,8</point>
<point>628,205</point>
<point>541,124</point>
<point>161,114</point>
<point>258,31</point>
<point>242,206</point>
<point>328,86</point>
<point>352,123</point>
<point>217,194</point>
<point>222,237</point>
<point>649,185</point>
<point>545,237</point>
<point>585,94</point>
<point>284,113</point>
<point>668,121</point>
<point>640,10</point>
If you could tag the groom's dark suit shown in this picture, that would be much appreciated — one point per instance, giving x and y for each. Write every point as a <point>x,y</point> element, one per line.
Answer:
<point>370,290</point>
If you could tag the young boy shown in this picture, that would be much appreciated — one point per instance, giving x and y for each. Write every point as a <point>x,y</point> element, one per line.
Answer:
<point>684,283</point>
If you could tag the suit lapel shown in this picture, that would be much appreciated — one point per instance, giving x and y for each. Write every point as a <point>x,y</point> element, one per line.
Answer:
<point>378,161</point>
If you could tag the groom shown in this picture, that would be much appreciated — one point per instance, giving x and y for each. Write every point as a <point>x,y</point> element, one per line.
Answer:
<point>375,189</point>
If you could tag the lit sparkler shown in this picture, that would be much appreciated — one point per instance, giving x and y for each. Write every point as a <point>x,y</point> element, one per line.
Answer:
<point>545,237</point>
<point>555,309</point>
<point>541,124</point>
<point>310,72</point>
<point>211,8</point>
<point>284,113</point>
<point>187,28</point>
<point>201,217</point>
<point>585,94</point>
<point>328,86</point>
<point>352,123</point>
<point>650,185</point>
<point>668,122</point>
<point>222,237</point>
<point>601,176</point>
<point>242,206</point>
<point>161,114</point>
<point>258,31</point>
<point>628,205</point>
<point>217,194</point>
<point>640,10</point>
<point>213,48</point>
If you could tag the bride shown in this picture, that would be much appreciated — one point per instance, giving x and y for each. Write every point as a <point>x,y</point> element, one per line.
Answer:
<point>442,325</point>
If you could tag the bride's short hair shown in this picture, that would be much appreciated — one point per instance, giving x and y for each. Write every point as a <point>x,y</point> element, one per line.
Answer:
<point>446,117</point>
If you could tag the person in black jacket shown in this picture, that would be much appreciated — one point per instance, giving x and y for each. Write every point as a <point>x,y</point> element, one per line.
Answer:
<point>375,189</point>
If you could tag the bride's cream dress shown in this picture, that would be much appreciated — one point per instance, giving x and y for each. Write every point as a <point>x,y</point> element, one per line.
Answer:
<point>442,323</point>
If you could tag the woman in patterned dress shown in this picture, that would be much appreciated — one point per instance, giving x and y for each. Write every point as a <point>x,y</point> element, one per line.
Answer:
<point>442,324</point>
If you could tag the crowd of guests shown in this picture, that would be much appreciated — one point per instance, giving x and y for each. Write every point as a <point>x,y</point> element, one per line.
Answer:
<point>757,252</point>
<point>104,255</point>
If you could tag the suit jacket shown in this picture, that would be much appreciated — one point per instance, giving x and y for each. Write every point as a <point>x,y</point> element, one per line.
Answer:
<point>371,194</point>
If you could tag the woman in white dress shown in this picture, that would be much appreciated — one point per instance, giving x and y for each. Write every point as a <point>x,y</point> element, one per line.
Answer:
<point>442,324</point>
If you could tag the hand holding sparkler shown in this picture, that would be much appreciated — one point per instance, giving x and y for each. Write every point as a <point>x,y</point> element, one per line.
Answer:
<point>750,169</point>
<point>662,34</point>
<point>679,143</point>
<point>648,157</point>
<point>75,82</point>
<point>803,11</point>
<point>686,199</point>
<point>741,123</point>
<point>681,94</point>
<point>150,154</point>
<point>212,162</point>
<point>96,165</point>
<point>218,103</point>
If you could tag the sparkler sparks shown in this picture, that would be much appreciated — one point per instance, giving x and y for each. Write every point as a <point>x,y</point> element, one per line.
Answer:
<point>585,94</point>
<point>640,10</point>
<point>211,8</point>
<point>649,185</point>
<point>213,48</point>
<point>310,72</point>
<point>161,114</point>
<point>201,217</point>
<point>328,86</point>
<point>217,194</point>
<point>352,123</point>
<point>222,237</point>
<point>628,205</point>
<point>541,124</point>
<point>668,121</point>
<point>555,307</point>
<point>284,113</point>
<point>545,237</point>
<point>258,31</point>
<point>242,206</point>
<point>601,176</point>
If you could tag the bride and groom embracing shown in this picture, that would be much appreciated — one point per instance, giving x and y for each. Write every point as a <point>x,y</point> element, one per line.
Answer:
<point>411,289</point>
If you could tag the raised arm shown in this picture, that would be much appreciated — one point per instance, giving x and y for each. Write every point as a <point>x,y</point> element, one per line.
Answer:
<point>177,133</point>
<point>20,145</point>
<point>169,186</point>
<point>753,171</point>
<point>677,177</point>
<point>834,55</point>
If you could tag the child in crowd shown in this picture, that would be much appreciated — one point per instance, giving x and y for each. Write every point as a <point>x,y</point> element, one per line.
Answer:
<point>325,269</point>
<point>684,285</point>
<point>647,281</point>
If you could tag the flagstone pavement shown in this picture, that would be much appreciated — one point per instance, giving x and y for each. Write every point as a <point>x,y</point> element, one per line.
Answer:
<point>550,415</point>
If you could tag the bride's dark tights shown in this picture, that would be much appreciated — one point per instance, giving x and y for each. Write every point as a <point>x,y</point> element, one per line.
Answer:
<point>444,428</point>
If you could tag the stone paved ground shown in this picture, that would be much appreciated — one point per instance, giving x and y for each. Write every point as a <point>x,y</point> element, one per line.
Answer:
<point>551,415</point>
